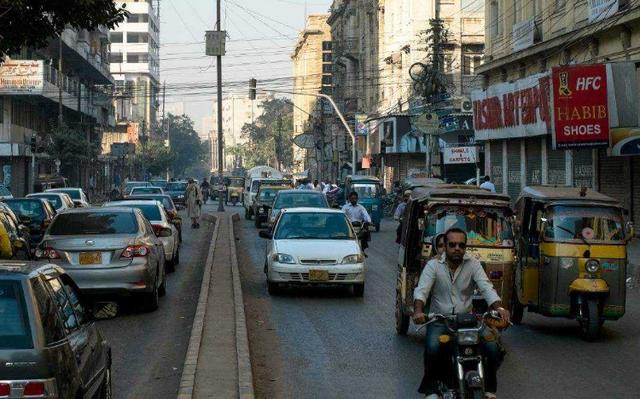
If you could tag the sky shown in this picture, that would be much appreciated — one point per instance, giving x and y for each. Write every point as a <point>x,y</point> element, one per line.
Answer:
<point>261,35</point>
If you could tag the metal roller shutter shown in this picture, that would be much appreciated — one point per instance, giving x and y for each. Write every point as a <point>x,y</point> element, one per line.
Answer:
<point>496,172</point>
<point>583,168</point>
<point>555,160</point>
<point>534,160</point>
<point>614,177</point>
<point>635,192</point>
<point>513,163</point>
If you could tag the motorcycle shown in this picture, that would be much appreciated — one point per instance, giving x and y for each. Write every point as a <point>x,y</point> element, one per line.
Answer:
<point>463,345</point>
<point>362,232</point>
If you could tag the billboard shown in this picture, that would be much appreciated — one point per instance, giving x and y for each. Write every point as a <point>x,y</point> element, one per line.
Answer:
<point>22,77</point>
<point>580,106</point>
<point>459,155</point>
<point>362,129</point>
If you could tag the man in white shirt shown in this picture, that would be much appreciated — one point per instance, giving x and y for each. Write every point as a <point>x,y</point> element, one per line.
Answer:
<point>451,280</point>
<point>488,185</point>
<point>358,213</point>
<point>400,212</point>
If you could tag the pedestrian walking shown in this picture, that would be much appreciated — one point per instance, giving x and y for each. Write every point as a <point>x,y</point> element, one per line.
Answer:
<point>193,197</point>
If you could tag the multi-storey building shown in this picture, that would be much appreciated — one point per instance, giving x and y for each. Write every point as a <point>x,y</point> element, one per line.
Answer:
<point>31,86</point>
<point>525,40</point>
<point>135,65</point>
<point>312,59</point>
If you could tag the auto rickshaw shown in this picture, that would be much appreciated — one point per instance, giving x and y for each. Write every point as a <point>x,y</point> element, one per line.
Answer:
<point>369,195</point>
<point>486,217</point>
<point>571,262</point>
<point>235,187</point>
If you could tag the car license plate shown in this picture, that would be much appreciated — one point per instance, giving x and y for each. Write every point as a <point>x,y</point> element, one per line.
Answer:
<point>90,258</point>
<point>318,275</point>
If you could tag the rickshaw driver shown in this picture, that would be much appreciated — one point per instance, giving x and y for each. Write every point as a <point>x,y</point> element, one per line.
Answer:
<point>450,280</point>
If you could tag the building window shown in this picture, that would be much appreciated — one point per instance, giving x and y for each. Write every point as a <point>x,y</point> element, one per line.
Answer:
<point>326,57</point>
<point>137,37</point>
<point>116,37</point>
<point>496,26</point>
<point>560,5</point>
<point>327,68</point>
<point>137,58</point>
<point>134,18</point>
<point>469,63</point>
<point>115,58</point>
<point>326,80</point>
<point>327,46</point>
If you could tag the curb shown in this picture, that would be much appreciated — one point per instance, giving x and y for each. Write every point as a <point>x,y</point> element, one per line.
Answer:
<point>245,375</point>
<point>188,379</point>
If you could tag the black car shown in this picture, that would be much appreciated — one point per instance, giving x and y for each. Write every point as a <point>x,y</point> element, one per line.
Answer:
<point>35,213</point>
<point>263,202</point>
<point>49,347</point>
<point>176,190</point>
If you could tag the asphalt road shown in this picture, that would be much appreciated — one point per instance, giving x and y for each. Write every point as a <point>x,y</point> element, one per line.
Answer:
<point>149,348</point>
<point>327,344</point>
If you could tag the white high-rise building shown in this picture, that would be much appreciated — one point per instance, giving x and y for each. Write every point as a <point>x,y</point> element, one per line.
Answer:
<point>135,64</point>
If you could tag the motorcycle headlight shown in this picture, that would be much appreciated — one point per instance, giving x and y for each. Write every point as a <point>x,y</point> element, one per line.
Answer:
<point>592,266</point>
<point>351,259</point>
<point>284,258</point>
<point>467,337</point>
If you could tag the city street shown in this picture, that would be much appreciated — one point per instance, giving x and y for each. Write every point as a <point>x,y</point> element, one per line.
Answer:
<point>323,344</point>
<point>149,348</point>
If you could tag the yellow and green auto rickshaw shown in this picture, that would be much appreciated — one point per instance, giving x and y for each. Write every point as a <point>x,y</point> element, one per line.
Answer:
<point>435,208</point>
<point>571,256</point>
<point>235,188</point>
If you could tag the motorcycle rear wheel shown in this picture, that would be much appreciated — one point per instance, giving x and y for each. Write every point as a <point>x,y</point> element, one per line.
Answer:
<point>402,319</point>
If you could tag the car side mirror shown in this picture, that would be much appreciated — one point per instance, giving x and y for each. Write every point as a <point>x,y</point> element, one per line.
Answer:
<point>265,234</point>
<point>164,232</point>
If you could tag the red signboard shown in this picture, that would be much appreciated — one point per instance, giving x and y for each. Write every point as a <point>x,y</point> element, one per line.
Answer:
<point>580,108</point>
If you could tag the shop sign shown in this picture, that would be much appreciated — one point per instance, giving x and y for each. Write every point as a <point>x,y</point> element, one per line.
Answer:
<point>361,125</point>
<point>523,34</point>
<point>580,106</point>
<point>514,109</point>
<point>459,155</point>
<point>427,123</point>
<point>601,9</point>
<point>22,77</point>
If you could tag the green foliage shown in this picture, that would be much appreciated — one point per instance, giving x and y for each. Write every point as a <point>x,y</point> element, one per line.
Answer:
<point>270,137</point>
<point>155,158</point>
<point>69,145</point>
<point>187,149</point>
<point>32,23</point>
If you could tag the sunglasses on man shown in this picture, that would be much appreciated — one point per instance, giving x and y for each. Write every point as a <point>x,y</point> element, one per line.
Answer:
<point>460,245</point>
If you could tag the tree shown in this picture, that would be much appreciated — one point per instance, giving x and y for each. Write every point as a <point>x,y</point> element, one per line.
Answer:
<point>185,145</point>
<point>32,23</point>
<point>69,145</point>
<point>155,157</point>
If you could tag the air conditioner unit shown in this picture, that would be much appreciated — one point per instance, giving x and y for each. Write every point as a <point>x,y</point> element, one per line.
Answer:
<point>466,105</point>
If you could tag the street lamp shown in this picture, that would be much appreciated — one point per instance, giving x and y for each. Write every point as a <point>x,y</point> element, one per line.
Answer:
<point>58,163</point>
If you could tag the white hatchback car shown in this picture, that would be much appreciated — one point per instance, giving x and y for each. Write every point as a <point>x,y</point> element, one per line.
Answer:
<point>313,246</point>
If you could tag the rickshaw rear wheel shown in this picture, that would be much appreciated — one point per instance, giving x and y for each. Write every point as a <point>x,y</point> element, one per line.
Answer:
<point>589,319</point>
<point>402,319</point>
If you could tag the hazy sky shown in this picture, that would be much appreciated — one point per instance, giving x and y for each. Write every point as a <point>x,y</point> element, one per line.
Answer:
<point>261,37</point>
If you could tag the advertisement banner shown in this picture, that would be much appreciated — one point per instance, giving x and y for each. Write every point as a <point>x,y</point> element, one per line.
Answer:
<point>459,155</point>
<point>601,9</point>
<point>361,126</point>
<point>580,106</point>
<point>512,109</point>
<point>22,77</point>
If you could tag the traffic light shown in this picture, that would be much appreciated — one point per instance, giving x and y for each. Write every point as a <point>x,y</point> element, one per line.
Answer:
<point>34,144</point>
<point>252,89</point>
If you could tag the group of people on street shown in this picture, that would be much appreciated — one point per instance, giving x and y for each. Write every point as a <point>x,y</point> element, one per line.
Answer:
<point>321,186</point>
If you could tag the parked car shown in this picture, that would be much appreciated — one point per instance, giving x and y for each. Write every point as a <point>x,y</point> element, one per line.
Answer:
<point>169,206</point>
<point>49,346</point>
<point>59,201</point>
<point>159,183</point>
<point>145,190</point>
<point>13,245</point>
<point>157,216</point>
<point>35,213</point>
<point>313,246</point>
<point>176,190</point>
<point>78,195</point>
<point>128,186</point>
<point>109,252</point>
<point>296,199</point>
<point>4,192</point>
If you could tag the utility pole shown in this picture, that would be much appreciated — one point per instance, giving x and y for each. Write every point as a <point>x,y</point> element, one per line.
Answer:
<point>165,126</point>
<point>219,71</point>
<point>59,81</point>
<point>435,90</point>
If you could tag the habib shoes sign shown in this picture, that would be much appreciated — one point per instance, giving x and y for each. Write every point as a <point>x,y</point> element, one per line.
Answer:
<point>580,106</point>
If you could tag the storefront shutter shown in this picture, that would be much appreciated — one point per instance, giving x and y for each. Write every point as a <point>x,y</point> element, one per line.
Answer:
<point>583,168</point>
<point>534,160</point>
<point>615,177</point>
<point>556,171</point>
<point>496,172</point>
<point>635,173</point>
<point>513,162</point>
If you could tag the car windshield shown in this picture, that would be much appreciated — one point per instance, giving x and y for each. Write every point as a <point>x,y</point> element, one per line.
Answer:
<point>368,190</point>
<point>267,195</point>
<point>15,332</point>
<point>300,200</point>
<point>4,191</point>
<point>146,190</point>
<point>98,223</point>
<point>151,212</point>
<point>235,183</point>
<point>74,194</point>
<point>53,199</point>
<point>133,184</point>
<point>31,208</point>
<point>577,223</point>
<point>172,186</point>
<point>159,183</point>
<point>484,226</point>
<point>166,201</point>
<point>314,226</point>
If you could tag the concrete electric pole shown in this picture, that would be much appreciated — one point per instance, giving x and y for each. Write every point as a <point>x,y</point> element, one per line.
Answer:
<point>220,136</point>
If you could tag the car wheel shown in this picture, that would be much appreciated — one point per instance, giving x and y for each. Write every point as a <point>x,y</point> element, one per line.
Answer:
<point>162,291</point>
<point>151,300</point>
<point>106,387</point>
<point>273,288</point>
<point>358,290</point>
<point>266,270</point>
<point>176,257</point>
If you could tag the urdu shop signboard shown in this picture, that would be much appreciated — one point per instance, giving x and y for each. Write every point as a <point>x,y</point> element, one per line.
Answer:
<point>22,77</point>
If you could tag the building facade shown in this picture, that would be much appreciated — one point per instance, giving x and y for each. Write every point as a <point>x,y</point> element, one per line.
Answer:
<point>524,42</point>
<point>312,58</point>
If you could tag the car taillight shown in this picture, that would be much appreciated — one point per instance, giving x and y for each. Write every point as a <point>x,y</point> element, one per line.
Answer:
<point>5,390</point>
<point>134,251</point>
<point>47,253</point>
<point>34,389</point>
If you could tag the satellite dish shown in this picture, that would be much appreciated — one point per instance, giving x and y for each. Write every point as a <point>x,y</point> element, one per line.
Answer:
<point>305,140</point>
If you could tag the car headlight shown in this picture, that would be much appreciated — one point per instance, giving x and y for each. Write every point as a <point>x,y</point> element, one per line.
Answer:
<point>180,196</point>
<point>592,266</point>
<point>260,210</point>
<point>350,259</point>
<point>467,337</point>
<point>283,258</point>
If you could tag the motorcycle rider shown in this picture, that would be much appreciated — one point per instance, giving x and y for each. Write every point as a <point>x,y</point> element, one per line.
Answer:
<point>358,213</point>
<point>450,280</point>
<point>204,187</point>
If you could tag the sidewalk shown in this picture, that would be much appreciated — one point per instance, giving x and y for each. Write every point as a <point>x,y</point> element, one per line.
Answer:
<point>217,364</point>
